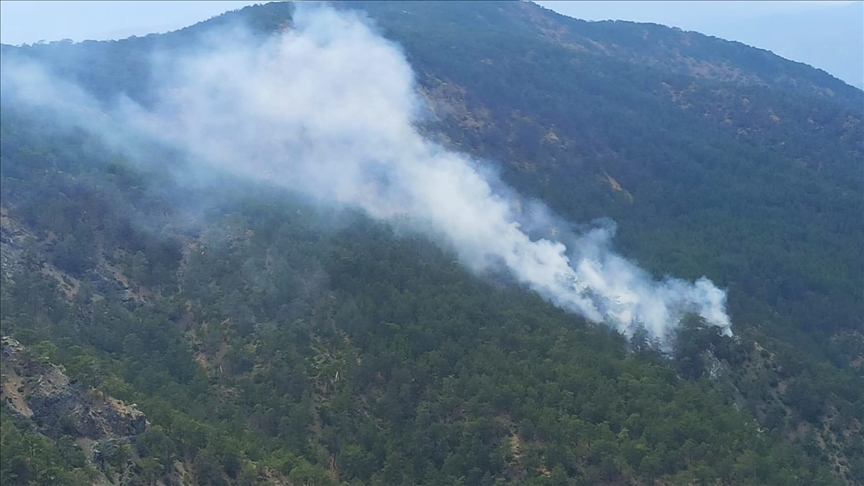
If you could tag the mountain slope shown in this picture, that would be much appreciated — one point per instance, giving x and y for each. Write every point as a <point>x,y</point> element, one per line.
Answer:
<point>676,130</point>
<point>345,352</point>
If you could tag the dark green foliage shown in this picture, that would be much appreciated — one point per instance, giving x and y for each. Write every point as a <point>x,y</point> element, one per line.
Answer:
<point>265,337</point>
<point>29,458</point>
<point>441,378</point>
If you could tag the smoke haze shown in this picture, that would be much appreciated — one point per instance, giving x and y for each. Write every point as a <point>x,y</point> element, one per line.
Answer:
<point>329,109</point>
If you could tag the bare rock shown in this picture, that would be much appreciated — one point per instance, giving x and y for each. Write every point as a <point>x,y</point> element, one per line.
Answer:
<point>40,391</point>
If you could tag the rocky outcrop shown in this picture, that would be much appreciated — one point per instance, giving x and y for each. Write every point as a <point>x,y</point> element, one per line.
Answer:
<point>11,238</point>
<point>104,278</point>
<point>35,389</point>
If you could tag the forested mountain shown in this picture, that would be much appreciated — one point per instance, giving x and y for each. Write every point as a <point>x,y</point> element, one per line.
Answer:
<point>270,340</point>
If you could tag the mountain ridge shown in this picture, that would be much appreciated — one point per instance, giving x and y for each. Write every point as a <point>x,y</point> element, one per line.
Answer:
<point>313,353</point>
<point>558,27</point>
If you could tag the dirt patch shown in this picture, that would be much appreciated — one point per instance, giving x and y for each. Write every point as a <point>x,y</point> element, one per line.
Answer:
<point>68,284</point>
<point>616,186</point>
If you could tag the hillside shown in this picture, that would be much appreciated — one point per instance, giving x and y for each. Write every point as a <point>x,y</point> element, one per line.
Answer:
<point>272,340</point>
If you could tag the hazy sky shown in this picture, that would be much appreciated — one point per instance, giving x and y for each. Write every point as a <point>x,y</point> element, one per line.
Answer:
<point>687,15</point>
<point>825,34</point>
<point>29,21</point>
<point>764,24</point>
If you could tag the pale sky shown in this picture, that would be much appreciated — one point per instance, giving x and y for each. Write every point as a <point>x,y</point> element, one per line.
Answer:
<point>687,15</point>
<point>745,21</point>
<point>31,21</point>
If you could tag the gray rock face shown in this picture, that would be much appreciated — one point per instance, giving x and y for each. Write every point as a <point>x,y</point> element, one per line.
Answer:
<point>41,391</point>
<point>11,237</point>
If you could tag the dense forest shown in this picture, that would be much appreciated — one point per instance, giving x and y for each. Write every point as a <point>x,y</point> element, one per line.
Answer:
<point>271,341</point>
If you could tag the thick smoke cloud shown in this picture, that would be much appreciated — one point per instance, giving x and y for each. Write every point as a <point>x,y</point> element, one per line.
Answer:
<point>329,109</point>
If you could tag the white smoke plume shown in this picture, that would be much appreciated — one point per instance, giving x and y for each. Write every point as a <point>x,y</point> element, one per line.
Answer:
<point>330,108</point>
